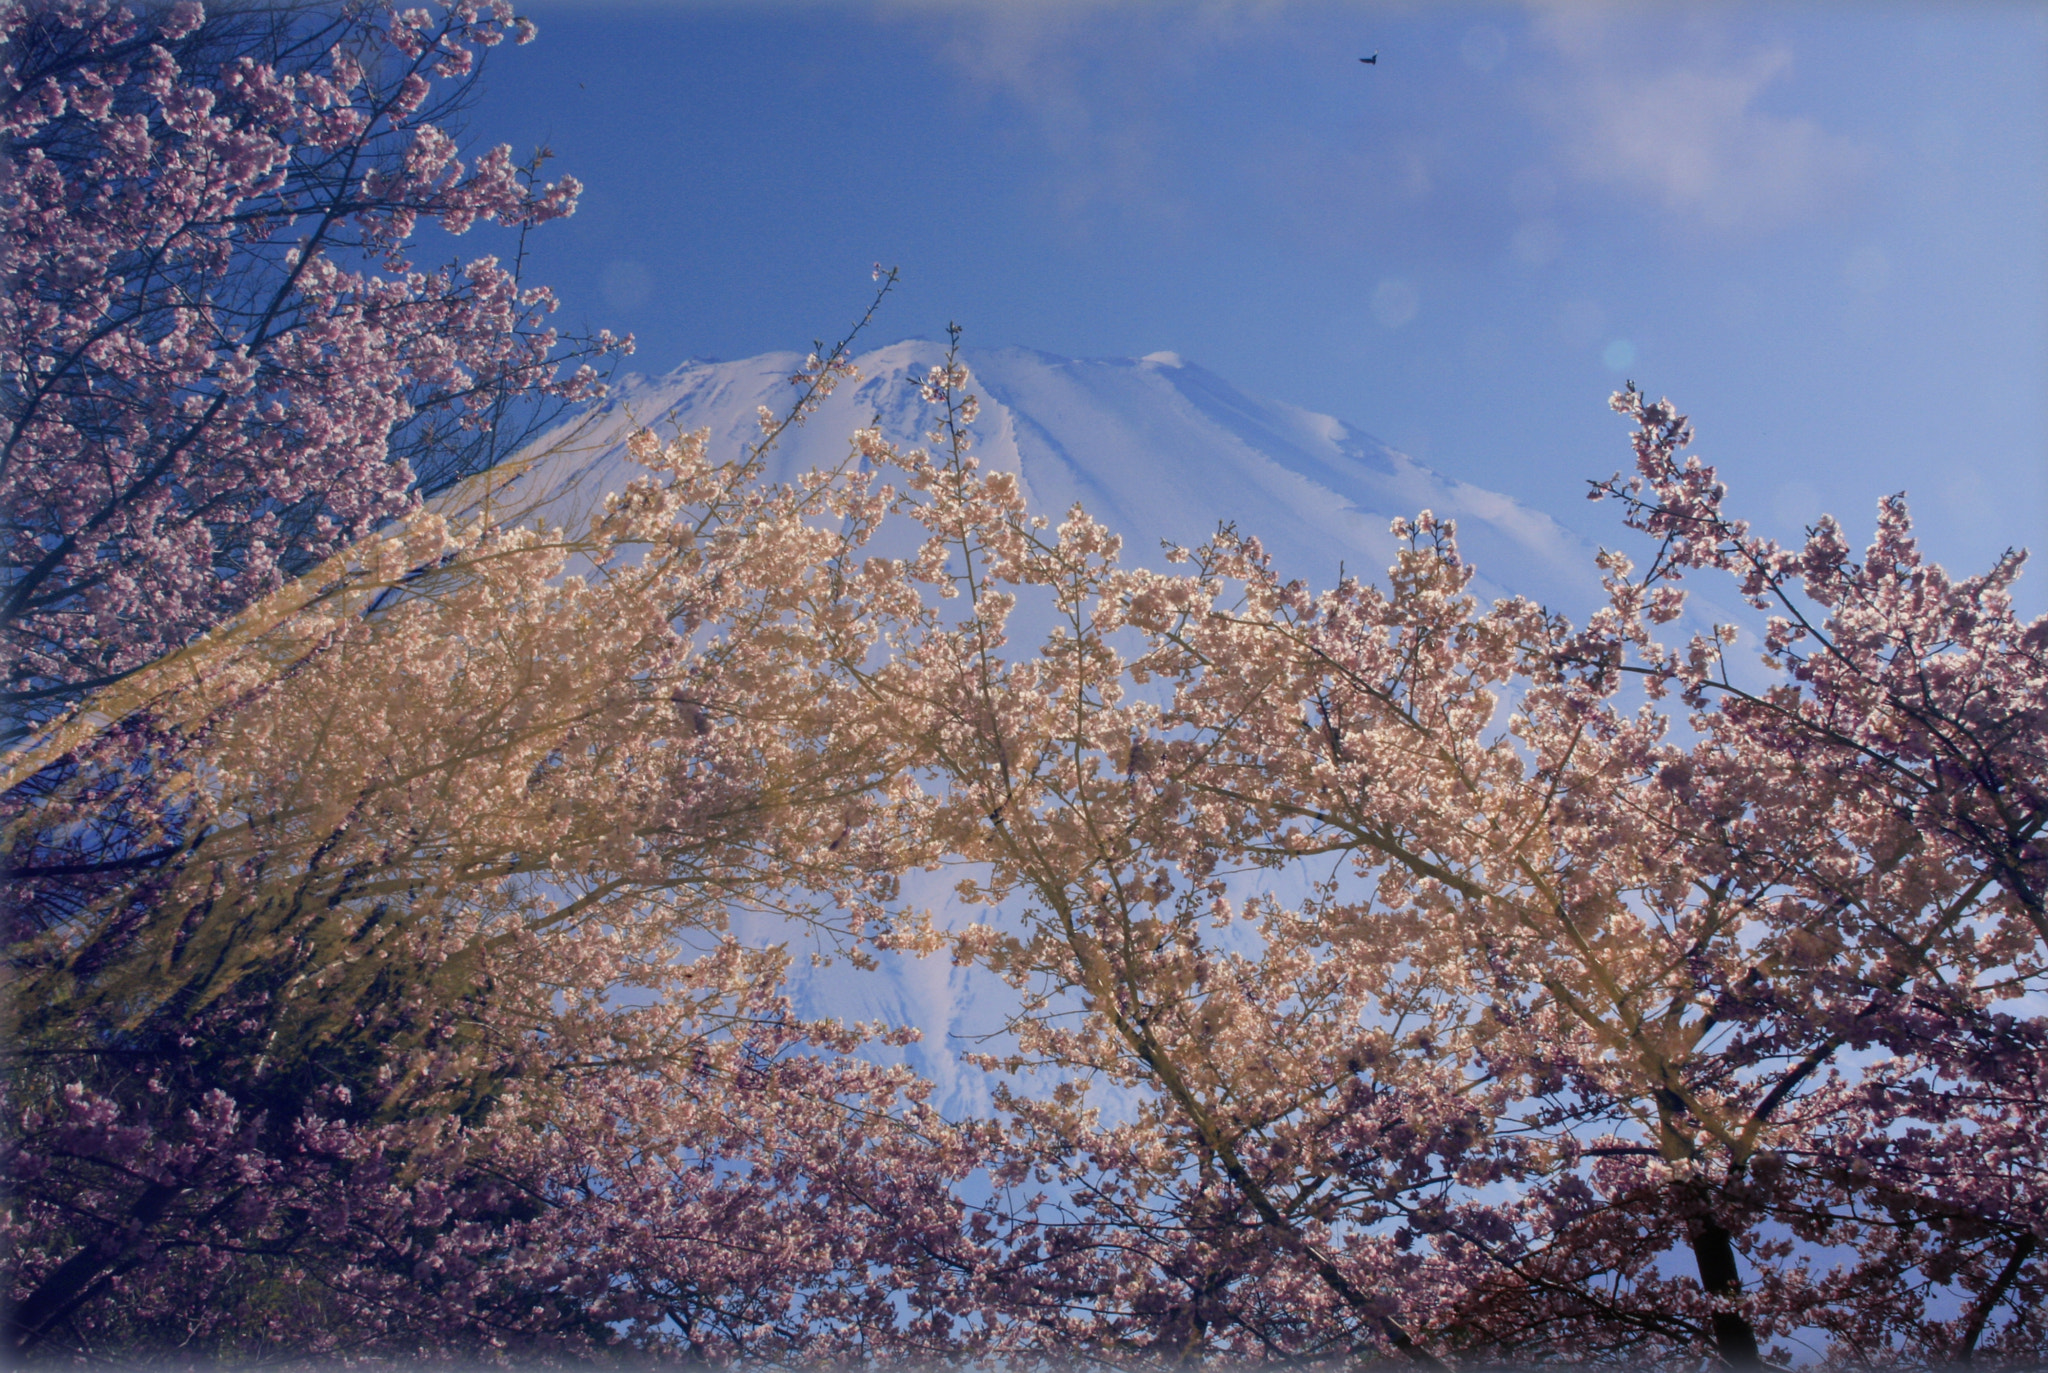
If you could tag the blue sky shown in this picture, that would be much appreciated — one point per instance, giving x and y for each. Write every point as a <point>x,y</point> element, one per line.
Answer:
<point>1822,229</point>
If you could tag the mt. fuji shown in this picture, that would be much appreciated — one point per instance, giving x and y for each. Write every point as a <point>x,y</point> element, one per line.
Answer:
<point>1155,448</point>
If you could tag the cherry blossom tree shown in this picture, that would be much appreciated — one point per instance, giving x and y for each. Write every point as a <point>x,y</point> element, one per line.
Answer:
<point>1306,1079</point>
<point>1393,976</point>
<point>1564,986</point>
<point>220,361</point>
<point>419,1031</point>
<point>1888,786</point>
<point>1763,982</point>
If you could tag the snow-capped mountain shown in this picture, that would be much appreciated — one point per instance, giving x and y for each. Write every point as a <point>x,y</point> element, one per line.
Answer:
<point>1156,448</point>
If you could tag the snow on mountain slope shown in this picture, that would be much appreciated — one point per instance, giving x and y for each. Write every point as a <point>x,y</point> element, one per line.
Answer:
<point>1155,448</point>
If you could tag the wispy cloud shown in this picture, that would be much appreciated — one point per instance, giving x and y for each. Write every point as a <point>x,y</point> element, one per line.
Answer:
<point>1097,81</point>
<point>1651,103</point>
<point>1686,114</point>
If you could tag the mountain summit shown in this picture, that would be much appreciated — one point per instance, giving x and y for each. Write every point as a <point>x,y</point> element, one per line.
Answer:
<point>1156,448</point>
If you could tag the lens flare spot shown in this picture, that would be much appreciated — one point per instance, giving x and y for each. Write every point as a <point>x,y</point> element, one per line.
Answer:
<point>1395,302</point>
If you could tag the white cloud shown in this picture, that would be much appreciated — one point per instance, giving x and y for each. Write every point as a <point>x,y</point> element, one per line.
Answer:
<point>1656,108</point>
<point>1675,108</point>
<point>1092,77</point>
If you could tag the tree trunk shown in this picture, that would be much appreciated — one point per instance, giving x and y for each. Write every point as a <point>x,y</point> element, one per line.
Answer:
<point>1734,1336</point>
<point>70,1281</point>
<point>1988,1302</point>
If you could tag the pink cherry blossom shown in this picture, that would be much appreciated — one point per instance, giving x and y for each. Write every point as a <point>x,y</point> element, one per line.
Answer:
<point>221,362</point>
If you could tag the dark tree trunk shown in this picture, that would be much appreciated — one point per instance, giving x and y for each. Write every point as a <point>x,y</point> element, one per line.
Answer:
<point>1988,1302</point>
<point>1734,1336</point>
<point>71,1280</point>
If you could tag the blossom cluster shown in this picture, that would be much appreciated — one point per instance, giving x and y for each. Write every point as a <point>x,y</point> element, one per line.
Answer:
<point>1387,974</point>
<point>218,362</point>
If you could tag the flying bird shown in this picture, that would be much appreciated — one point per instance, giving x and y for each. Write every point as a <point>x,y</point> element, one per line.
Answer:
<point>1374,58</point>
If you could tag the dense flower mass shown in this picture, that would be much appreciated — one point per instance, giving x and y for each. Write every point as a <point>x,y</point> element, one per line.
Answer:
<point>1391,975</point>
<point>1387,976</point>
<point>1563,987</point>
<point>218,361</point>
<point>373,994</point>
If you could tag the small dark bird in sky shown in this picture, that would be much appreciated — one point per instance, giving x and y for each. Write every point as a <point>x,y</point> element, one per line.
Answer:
<point>1374,58</point>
